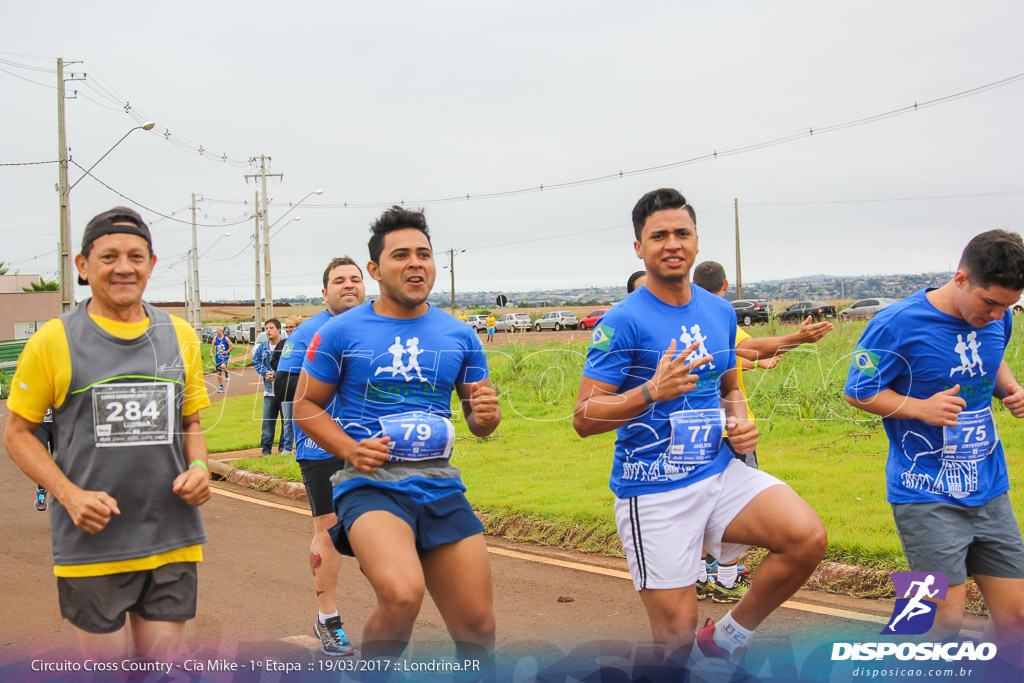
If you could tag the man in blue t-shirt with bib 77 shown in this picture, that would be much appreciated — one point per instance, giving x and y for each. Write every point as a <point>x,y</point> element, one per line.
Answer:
<point>390,367</point>
<point>661,370</point>
<point>929,366</point>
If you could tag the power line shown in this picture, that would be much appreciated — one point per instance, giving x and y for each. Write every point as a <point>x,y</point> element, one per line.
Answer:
<point>802,133</point>
<point>29,163</point>
<point>158,213</point>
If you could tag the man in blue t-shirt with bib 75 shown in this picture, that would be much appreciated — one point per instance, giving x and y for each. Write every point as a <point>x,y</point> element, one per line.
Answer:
<point>390,367</point>
<point>929,366</point>
<point>661,370</point>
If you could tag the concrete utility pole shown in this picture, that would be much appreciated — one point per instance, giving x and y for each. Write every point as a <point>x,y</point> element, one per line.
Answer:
<point>739,270</point>
<point>67,289</point>
<point>451,263</point>
<point>197,311</point>
<point>262,175</point>
<point>256,244</point>
<point>451,267</point>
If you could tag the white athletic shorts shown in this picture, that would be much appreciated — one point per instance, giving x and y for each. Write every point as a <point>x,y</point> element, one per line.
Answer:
<point>662,534</point>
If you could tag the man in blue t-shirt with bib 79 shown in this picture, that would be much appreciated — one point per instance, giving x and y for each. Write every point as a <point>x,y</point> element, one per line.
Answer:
<point>390,367</point>
<point>661,370</point>
<point>929,366</point>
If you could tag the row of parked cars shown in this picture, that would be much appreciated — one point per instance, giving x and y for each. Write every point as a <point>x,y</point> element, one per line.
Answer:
<point>750,311</point>
<point>521,322</point>
<point>239,334</point>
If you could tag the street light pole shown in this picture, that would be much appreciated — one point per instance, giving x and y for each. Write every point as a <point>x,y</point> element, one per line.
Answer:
<point>197,311</point>
<point>67,291</point>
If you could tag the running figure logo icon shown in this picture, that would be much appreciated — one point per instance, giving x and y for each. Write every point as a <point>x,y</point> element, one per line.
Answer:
<point>914,613</point>
<point>397,367</point>
<point>969,362</point>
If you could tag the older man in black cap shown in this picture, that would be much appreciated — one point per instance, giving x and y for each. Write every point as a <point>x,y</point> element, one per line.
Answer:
<point>125,383</point>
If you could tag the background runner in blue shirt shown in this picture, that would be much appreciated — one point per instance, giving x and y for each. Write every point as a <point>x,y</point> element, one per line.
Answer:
<point>343,290</point>
<point>394,364</point>
<point>929,366</point>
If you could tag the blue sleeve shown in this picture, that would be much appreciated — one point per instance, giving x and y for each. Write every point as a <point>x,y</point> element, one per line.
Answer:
<point>474,364</point>
<point>1008,325</point>
<point>611,352</point>
<point>322,360</point>
<point>876,363</point>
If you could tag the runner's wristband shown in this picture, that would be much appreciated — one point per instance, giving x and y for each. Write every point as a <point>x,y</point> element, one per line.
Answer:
<point>646,393</point>
<point>200,463</point>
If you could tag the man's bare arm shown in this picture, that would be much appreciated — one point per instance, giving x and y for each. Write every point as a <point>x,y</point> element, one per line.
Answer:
<point>89,510</point>
<point>810,332</point>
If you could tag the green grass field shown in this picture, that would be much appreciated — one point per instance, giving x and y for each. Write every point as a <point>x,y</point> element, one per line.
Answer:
<point>535,479</point>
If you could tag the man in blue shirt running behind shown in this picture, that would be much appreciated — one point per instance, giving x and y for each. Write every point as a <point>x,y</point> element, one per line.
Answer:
<point>390,367</point>
<point>343,290</point>
<point>930,365</point>
<point>661,370</point>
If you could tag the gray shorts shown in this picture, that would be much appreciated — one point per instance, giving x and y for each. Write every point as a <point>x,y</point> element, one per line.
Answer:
<point>97,604</point>
<point>960,540</point>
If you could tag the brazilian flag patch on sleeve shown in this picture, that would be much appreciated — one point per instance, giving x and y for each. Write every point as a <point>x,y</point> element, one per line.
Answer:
<point>865,361</point>
<point>601,337</point>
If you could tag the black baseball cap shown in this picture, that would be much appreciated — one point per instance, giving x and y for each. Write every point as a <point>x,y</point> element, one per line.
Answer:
<point>120,219</point>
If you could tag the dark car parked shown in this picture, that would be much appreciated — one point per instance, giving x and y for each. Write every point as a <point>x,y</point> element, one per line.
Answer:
<point>818,310</point>
<point>750,311</point>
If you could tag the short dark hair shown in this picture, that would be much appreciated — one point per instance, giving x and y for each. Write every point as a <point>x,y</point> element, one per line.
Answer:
<point>277,323</point>
<point>658,200</point>
<point>631,282</point>
<point>340,261</point>
<point>395,218</point>
<point>710,275</point>
<point>995,257</point>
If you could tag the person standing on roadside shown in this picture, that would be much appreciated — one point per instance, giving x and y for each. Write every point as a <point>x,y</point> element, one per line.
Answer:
<point>343,290</point>
<point>129,468</point>
<point>490,322</point>
<point>265,360</point>
<point>399,500</point>
<point>221,351</point>
<point>661,370</point>
<point>930,366</point>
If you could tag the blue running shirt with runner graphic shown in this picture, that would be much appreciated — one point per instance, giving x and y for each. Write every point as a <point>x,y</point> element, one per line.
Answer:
<point>917,350</point>
<point>387,366</point>
<point>291,361</point>
<point>625,348</point>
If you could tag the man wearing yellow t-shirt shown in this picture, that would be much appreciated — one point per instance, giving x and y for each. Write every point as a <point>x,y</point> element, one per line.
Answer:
<point>125,383</point>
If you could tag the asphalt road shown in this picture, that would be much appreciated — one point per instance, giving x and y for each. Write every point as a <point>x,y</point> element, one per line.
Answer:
<point>256,599</point>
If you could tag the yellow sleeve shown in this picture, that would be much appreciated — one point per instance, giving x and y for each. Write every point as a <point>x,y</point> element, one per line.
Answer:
<point>196,396</point>
<point>740,335</point>
<point>43,374</point>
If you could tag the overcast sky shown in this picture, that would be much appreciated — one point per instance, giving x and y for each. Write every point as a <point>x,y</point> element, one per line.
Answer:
<point>390,101</point>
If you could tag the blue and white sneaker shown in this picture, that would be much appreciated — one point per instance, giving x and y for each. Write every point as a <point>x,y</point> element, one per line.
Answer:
<point>333,640</point>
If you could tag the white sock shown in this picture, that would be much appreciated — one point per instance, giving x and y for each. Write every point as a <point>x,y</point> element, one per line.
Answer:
<point>730,635</point>
<point>325,617</point>
<point>727,574</point>
<point>702,572</point>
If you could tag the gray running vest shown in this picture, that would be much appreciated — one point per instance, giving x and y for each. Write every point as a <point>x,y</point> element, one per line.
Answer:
<point>119,431</point>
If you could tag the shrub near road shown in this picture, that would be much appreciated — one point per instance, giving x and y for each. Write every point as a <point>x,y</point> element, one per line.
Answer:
<point>535,479</point>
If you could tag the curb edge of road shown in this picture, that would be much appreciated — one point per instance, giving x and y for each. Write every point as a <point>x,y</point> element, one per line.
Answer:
<point>830,577</point>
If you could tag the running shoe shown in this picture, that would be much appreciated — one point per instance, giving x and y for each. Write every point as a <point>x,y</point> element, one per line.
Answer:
<point>220,389</point>
<point>724,595</point>
<point>708,655</point>
<point>41,499</point>
<point>712,568</point>
<point>704,588</point>
<point>333,640</point>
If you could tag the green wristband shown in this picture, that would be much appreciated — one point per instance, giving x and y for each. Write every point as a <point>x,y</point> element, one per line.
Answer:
<point>200,463</point>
